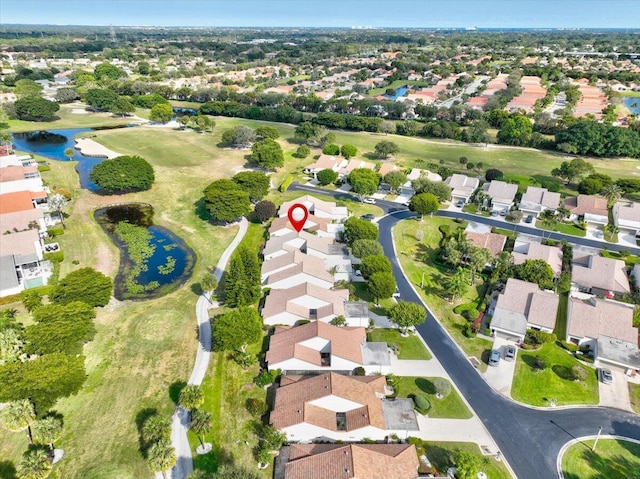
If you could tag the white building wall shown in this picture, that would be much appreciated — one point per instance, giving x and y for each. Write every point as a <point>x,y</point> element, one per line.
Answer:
<point>29,184</point>
<point>309,432</point>
<point>291,281</point>
<point>295,364</point>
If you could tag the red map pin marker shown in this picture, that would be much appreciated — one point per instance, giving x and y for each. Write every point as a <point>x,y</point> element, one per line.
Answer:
<point>298,214</point>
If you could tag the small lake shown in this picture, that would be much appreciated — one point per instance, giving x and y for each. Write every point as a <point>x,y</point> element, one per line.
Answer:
<point>630,101</point>
<point>400,92</point>
<point>168,263</point>
<point>52,143</point>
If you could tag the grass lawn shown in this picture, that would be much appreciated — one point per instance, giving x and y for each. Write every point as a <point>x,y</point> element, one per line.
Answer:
<point>539,387</point>
<point>451,406</point>
<point>418,262</point>
<point>611,459</point>
<point>397,84</point>
<point>441,456</point>
<point>561,317</point>
<point>410,347</point>
<point>569,229</point>
<point>634,394</point>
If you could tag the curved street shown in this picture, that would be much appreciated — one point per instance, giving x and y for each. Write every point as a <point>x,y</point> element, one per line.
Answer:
<point>529,438</point>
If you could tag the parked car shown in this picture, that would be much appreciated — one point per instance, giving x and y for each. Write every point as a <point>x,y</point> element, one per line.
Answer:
<point>368,217</point>
<point>396,295</point>
<point>503,213</point>
<point>460,204</point>
<point>529,219</point>
<point>369,201</point>
<point>494,213</point>
<point>358,272</point>
<point>509,353</point>
<point>605,376</point>
<point>494,357</point>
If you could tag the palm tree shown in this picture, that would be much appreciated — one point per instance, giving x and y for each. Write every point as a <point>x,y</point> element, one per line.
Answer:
<point>612,193</point>
<point>458,283</point>
<point>19,415</point>
<point>69,152</point>
<point>47,431</point>
<point>6,141</point>
<point>191,397</point>
<point>161,457</point>
<point>156,428</point>
<point>200,423</point>
<point>34,464</point>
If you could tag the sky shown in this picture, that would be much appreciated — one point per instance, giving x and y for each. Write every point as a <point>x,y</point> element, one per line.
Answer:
<point>328,13</point>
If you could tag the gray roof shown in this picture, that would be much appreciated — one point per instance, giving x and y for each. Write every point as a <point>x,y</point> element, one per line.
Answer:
<point>617,351</point>
<point>509,321</point>
<point>399,414</point>
<point>356,309</point>
<point>375,354</point>
<point>8,275</point>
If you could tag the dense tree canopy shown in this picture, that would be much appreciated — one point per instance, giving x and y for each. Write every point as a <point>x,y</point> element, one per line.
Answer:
<point>517,131</point>
<point>102,98</point>
<point>240,136</point>
<point>33,108</point>
<point>381,285</point>
<point>364,181</point>
<point>407,314</point>
<point>226,201</point>
<point>357,229</point>
<point>536,271</point>
<point>123,174</point>
<point>366,247</point>
<point>86,285</point>
<point>267,154</point>
<point>438,188</point>
<point>589,137</point>
<point>424,203</point>
<point>234,330</point>
<point>255,183</point>
<point>375,264</point>
<point>108,71</point>
<point>161,113</point>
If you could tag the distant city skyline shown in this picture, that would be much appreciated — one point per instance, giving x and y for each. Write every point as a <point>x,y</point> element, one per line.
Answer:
<point>327,13</point>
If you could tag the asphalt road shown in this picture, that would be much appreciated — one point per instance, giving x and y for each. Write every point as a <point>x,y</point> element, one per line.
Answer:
<point>530,439</point>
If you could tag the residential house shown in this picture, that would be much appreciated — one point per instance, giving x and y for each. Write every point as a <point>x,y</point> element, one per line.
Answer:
<point>606,327</point>
<point>325,162</point>
<point>414,174</point>
<point>494,242</point>
<point>293,268</point>
<point>599,276</point>
<point>332,407</point>
<point>383,170</point>
<point>314,224</point>
<point>279,245</point>
<point>347,461</point>
<point>20,178</point>
<point>502,194</point>
<point>356,313</point>
<point>22,264</point>
<point>320,347</point>
<point>355,164</point>
<point>462,187</point>
<point>22,201</point>
<point>536,200</point>
<point>523,251</point>
<point>317,207</point>
<point>16,160</point>
<point>303,301</point>
<point>626,216</point>
<point>24,220</point>
<point>593,209</point>
<point>520,306</point>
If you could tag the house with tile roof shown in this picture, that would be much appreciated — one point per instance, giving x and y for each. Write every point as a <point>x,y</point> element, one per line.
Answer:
<point>347,461</point>
<point>317,207</point>
<point>536,200</point>
<point>626,216</point>
<point>462,187</point>
<point>494,242</point>
<point>593,209</point>
<point>294,268</point>
<point>25,220</point>
<point>325,162</point>
<point>521,306</point>
<point>16,160</point>
<point>319,346</point>
<point>332,407</point>
<point>20,178</point>
<point>552,255</point>
<point>502,194</point>
<point>600,276</point>
<point>414,174</point>
<point>314,224</point>
<point>304,301</point>
<point>22,264</point>
<point>22,201</point>
<point>607,328</point>
<point>353,165</point>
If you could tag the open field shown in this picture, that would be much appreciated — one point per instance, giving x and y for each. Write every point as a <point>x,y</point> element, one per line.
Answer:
<point>538,388</point>
<point>418,262</point>
<point>611,459</point>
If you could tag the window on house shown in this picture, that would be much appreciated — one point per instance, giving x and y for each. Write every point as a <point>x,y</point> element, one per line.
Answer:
<point>325,359</point>
<point>341,421</point>
<point>313,313</point>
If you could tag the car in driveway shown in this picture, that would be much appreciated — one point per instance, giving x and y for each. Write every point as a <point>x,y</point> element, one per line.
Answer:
<point>605,376</point>
<point>509,353</point>
<point>494,213</point>
<point>369,201</point>
<point>494,357</point>
<point>529,219</point>
<point>503,213</point>
<point>460,204</point>
<point>368,217</point>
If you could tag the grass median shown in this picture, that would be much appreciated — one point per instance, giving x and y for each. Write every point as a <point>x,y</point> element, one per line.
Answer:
<point>611,459</point>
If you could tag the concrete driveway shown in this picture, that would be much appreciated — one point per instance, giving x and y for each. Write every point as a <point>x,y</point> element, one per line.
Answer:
<point>500,377</point>
<point>616,394</point>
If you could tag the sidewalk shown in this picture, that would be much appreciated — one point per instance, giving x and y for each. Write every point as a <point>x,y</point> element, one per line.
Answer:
<point>455,430</point>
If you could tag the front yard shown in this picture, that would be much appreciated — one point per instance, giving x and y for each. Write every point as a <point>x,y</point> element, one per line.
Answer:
<point>410,347</point>
<point>450,406</point>
<point>419,260</point>
<point>538,387</point>
<point>566,228</point>
<point>610,459</point>
<point>634,395</point>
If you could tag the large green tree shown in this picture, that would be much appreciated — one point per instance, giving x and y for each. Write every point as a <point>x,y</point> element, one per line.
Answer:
<point>107,71</point>
<point>123,174</point>
<point>570,170</point>
<point>102,98</point>
<point>438,188</point>
<point>384,149</point>
<point>236,329</point>
<point>424,203</point>
<point>364,181</point>
<point>366,247</point>
<point>517,131</point>
<point>122,106</point>
<point>267,154</point>
<point>536,271</point>
<point>33,108</point>
<point>226,201</point>
<point>240,136</point>
<point>255,183</point>
<point>356,229</point>
<point>241,285</point>
<point>35,464</point>
<point>161,113</point>
<point>161,457</point>
<point>156,428</point>
<point>19,416</point>
<point>395,179</point>
<point>26,87</point>
<point>191,397</point>
<point>381,285</point>
<point>407,314</point>
<point>84,284</point>
<point>375,264</point>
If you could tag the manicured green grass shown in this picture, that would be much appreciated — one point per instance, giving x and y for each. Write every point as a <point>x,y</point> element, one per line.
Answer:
<point>538,388</point>
<point>561,317</point>
<point>611,459</point>
<point>569,229</point>
<point>629,259</point>
<point>451,406</point>
<point>630,93</point>
<point>410,347</point>
<point>395,85</point>
<point>441,455</point>
<point>419,261</point>
<point>634,394</point>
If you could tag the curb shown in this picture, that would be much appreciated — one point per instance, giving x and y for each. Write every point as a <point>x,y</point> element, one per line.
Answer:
<point>583,438</point>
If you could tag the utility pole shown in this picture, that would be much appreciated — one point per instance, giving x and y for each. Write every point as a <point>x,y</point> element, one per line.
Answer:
<point>597,437</point>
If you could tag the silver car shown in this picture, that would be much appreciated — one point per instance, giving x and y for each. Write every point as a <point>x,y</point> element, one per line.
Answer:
<point>494,357</point>
<point>605,376</point>
<point>509,353</point>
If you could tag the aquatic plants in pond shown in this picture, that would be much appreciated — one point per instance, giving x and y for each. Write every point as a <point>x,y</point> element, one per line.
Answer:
<point>154,261</point>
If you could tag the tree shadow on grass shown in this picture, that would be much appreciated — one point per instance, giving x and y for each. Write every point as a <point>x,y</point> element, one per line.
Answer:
<point>441,458</point>
<point>175,389</point>
<point>563,372</point>
<point>425,385</point>
<point>141,417</point>
<point>7,470</point>
<point>201,211</point>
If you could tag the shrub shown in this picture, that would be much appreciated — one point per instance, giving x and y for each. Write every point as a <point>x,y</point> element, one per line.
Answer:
<point>55,257</point>
<point>539,363</point>
<point>578,373</point>
<point>265,378</point>
<point>286,184</point>
<point>327,176</point>
<point>123,174</point>
<point>302,152</point>
<point>493,174</point>
<point>469,331</point>
<point>470,314</point>
<point>359,371</point>
<point>42,168</point>
<point>55,230</point>
<point>256,407</point>
<point>442,387</point>
<point>421,404</point>
<point>568,346</point>
<point>541,337</point>
<point>264,210</point>
<point>331,149</point>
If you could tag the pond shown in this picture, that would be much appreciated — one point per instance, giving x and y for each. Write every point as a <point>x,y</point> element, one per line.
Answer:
<point>52,143</point>
<point>632,103</point>
<point>400,92</point>
<point>153,260</point>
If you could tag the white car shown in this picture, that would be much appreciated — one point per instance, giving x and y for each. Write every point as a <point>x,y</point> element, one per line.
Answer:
<point>369,201</point>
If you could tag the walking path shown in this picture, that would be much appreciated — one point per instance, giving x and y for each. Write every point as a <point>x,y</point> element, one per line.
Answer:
<point>180,419</point>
